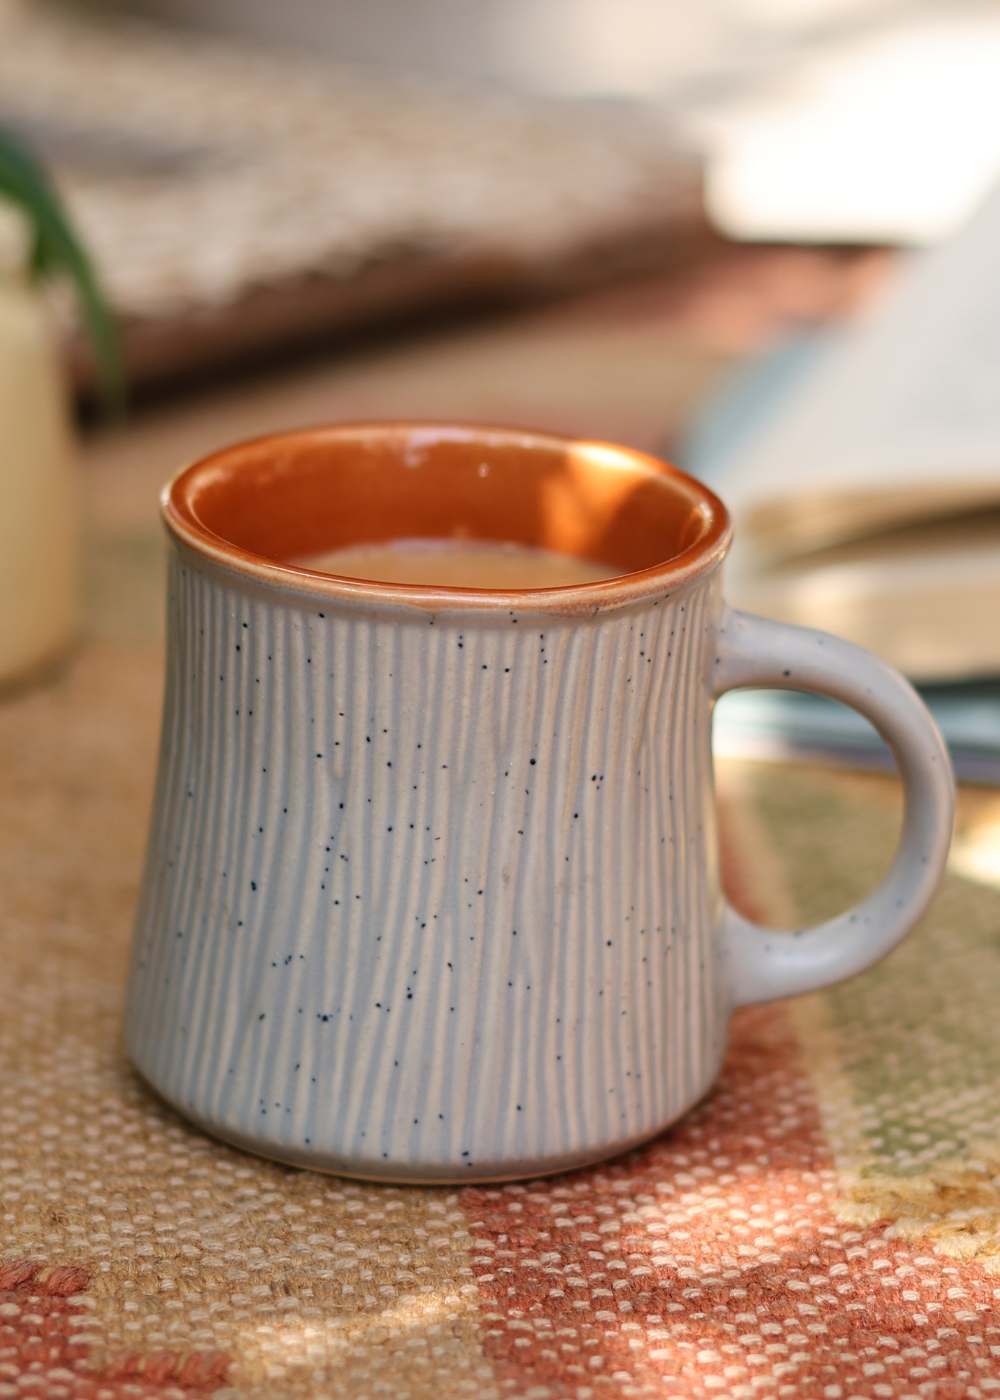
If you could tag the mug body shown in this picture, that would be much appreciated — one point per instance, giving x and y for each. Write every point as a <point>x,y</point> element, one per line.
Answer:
<point>431,890</point>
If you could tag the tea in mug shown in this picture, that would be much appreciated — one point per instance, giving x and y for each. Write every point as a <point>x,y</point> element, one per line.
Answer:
<point>459,564</point>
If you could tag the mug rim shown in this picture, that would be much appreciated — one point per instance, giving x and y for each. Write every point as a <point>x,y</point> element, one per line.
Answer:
<point>181,519</point>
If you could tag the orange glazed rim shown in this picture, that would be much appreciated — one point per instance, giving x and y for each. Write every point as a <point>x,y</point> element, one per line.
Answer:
<point>257,507</point>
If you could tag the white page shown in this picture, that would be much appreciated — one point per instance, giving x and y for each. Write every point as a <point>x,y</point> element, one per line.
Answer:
<point>902,412</point>
<point>888,133</point>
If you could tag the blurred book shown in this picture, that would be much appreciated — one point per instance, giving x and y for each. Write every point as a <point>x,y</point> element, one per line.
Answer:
<point>862,468</point>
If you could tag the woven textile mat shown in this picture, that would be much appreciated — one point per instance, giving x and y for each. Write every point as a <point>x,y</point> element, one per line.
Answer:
<point>826,1223</point>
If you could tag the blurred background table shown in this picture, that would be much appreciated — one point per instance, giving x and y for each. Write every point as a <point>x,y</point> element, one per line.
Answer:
<point>631,363</point>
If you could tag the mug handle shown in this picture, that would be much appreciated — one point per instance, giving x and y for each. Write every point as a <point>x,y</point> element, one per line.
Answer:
<point>761,964</point>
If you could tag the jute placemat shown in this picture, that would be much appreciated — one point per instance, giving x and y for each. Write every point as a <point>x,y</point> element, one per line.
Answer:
<point>826,1223</point>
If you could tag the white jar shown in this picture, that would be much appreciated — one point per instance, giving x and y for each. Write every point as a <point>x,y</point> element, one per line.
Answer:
<point>39,511</point>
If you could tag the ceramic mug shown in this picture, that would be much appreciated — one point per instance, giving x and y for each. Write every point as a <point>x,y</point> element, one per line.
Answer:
<point>432,887</point>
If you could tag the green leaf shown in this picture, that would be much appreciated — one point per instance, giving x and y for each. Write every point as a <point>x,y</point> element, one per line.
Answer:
<point>56,252</point>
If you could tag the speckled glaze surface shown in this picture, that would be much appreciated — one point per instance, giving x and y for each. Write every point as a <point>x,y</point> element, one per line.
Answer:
<point>431,890</point>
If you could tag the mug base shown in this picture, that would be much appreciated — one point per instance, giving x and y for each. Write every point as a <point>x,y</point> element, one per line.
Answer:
<point>428,1173</point>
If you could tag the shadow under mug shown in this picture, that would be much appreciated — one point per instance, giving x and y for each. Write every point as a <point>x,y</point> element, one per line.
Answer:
<point>432,889</point>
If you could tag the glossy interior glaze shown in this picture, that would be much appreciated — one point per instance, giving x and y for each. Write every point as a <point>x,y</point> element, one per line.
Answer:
<point>278,499</point>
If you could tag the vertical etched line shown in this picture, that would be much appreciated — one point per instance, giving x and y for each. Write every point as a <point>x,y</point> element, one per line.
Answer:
<point>481,948</point>
<point>226,952</point>
<point>160,854</point>
<point>210,853</point>
<point>645,993</point>
<point>429,1079</point>
<point>330,968</point>
<point>304,912</point>
<point>591,1043</point>
<point>201,943</point>
<point>678,952</point>
<point>626,947</point>
<point>216,930</point>
<point>504,853</point>
<point>600,911</point>
<point>187,913</point>
<point>343,1111</point>
<point>397,921</point>
<point>560,784</point>
<point>584,697</point>
<point>659,968</point>
<point>703,796</point>
<point>177,919</point>
<point>692,700</point>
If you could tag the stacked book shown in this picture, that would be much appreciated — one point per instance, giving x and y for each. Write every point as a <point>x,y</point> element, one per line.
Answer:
<point>862,467</point>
